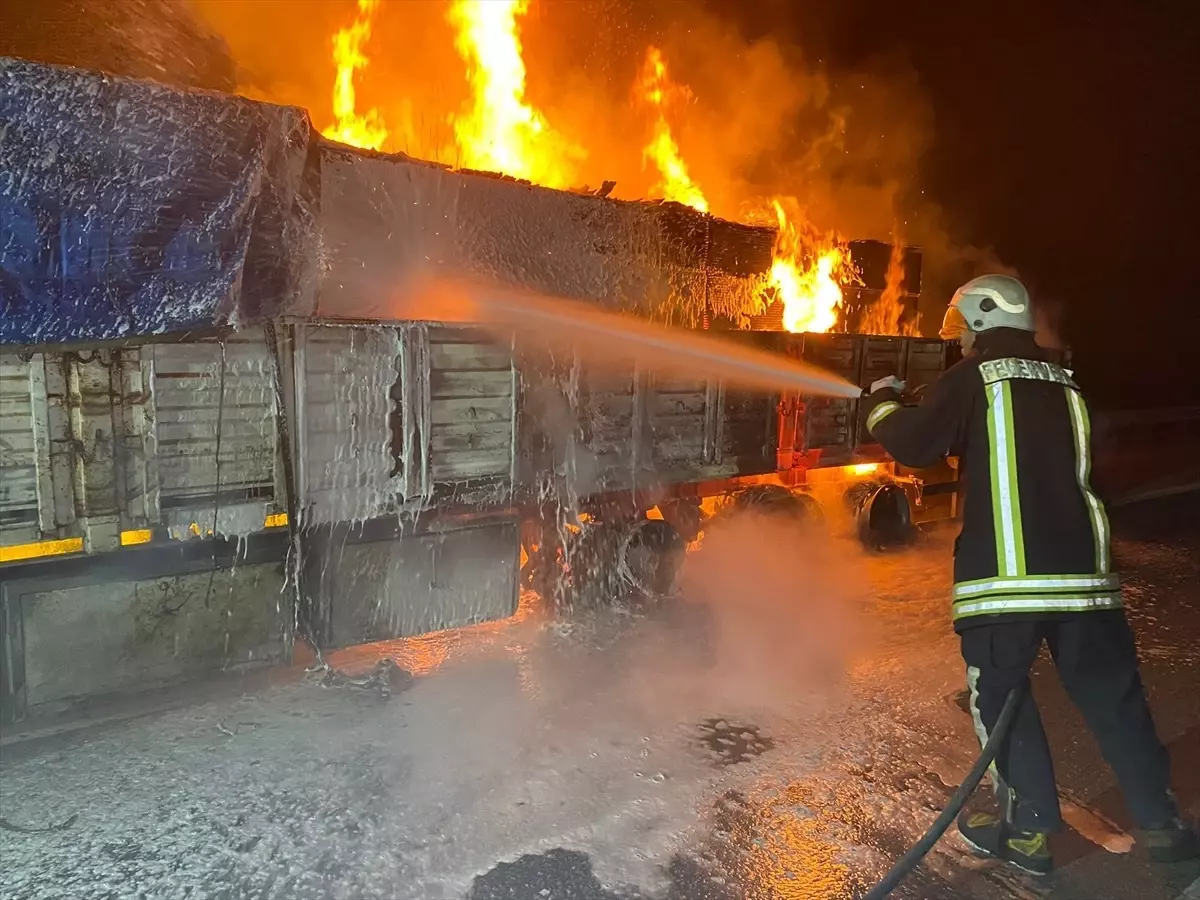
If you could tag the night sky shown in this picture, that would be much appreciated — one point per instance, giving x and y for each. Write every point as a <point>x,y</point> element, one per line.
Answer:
<point>1067,137</point>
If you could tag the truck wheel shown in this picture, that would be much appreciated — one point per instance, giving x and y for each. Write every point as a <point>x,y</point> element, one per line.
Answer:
<point>777,500</point>
<point>883,515</point>
<point>589,577</point>
<point>649,557</point>
<point>685,515</point>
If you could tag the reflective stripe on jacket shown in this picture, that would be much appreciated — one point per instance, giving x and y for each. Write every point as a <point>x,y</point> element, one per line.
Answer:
<point>1035,537</point>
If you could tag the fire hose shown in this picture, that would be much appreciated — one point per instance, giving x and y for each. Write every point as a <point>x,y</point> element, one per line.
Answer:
<point>910,860</point>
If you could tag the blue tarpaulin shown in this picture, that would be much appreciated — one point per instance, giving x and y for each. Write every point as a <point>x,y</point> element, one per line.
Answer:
<point>130,208</point>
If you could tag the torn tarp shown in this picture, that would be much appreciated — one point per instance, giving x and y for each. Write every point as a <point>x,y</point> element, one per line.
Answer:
<point>130,208</point>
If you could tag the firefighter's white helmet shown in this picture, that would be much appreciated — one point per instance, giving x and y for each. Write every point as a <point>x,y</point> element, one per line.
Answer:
<point>986,302</point>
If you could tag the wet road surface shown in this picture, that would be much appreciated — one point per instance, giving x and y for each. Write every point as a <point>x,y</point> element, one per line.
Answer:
<point>676,753</point>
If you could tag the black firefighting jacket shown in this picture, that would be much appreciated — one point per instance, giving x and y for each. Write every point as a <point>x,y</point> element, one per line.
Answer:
<point>1035,537</point>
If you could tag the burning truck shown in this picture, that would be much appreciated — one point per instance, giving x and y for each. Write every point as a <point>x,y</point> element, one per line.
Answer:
<point>218,432</point>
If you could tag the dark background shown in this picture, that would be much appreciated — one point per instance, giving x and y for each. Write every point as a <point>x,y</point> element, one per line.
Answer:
<point>1067,138</point>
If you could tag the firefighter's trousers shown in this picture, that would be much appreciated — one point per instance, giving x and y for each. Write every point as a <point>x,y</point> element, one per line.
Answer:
<point>1097,662</point>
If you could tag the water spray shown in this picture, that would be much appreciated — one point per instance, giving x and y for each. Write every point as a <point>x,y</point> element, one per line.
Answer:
<point>618,338</point>
<point>613,337</point>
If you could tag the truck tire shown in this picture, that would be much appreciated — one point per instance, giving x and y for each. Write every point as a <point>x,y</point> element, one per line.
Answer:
<point>882,514</point>
<point>649,558</point>
<point>777,500</point>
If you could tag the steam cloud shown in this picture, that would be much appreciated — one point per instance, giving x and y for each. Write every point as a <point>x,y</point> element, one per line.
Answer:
<point>783,601</point>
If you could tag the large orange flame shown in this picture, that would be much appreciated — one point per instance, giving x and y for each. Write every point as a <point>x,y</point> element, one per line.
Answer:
<point>502,132</point>
<point>886,315</point>
<point>805,272</point>
<point>367,130</point>
<point>674,181</point>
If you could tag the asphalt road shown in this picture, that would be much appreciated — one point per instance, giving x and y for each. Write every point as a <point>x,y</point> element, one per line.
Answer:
<point>685,753</point>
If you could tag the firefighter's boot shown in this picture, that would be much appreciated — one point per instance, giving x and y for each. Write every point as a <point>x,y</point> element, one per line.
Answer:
<point>1176,842</point>
<point>990,836</point>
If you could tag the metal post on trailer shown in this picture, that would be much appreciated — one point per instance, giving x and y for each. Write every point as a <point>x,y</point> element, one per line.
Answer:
<point>293,568</point>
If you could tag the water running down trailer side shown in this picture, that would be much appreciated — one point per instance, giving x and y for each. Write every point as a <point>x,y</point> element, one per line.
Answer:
<point>176,495</point>
<point>422,457</point>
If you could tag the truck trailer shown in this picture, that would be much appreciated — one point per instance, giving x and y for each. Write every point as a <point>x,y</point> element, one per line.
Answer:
<point>218,435</point>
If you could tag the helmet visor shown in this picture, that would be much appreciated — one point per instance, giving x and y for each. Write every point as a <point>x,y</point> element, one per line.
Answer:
<point>954,325</point>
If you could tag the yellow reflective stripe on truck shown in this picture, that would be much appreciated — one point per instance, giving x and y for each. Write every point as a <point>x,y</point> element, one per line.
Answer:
<point>39,549</point>
<point>133,538</point>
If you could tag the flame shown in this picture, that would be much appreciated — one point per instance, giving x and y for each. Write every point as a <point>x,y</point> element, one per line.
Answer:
<point>366,131</point>
<point>886,315</point>
<point>674,181</point>
<point>809,293</point>
<point>502,132</point>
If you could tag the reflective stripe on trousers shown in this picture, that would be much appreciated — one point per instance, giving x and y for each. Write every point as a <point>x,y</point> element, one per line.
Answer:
<point>1004,794</point>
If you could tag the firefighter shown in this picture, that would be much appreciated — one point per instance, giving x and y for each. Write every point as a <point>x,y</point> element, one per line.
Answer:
<point>1032,565</point>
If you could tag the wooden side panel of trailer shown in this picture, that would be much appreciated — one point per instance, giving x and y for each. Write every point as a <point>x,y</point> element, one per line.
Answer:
<point>27,510</point>
<point>416,450</point>
<point>473,394</point>
<point>215,464</point>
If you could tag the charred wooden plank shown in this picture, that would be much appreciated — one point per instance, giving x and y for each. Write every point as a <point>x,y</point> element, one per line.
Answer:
<point>478,383</point>
<point>472,436</point>
<point>662,404</point>
<point>458,464</point>
<point>469,356</point>
<point>474,409</point>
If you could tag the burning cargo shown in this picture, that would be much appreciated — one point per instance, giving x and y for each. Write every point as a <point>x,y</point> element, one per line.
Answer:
<point>219,423</point>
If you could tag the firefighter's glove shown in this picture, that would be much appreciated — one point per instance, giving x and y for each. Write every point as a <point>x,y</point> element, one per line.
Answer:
<point>891,382</point>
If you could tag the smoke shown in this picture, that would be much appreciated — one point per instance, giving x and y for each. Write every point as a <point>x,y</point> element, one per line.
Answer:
<point>766,119</point>
<point>760,116</point>
<point>783,605</point>
<point>763,118</point>
<point>597,719</point>
<point>155,39</point>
